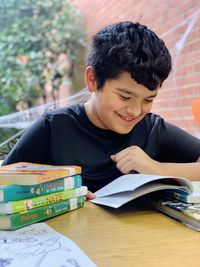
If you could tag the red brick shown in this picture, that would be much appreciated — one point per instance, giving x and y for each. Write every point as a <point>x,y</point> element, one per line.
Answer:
<point>169,19</point>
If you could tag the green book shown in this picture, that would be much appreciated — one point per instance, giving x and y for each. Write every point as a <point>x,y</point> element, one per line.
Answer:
<point>35,202</point>
<point>18,192</point>
<point>18,220</point>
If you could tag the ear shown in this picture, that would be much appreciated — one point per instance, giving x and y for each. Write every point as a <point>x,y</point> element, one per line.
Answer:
<point>90,79</point>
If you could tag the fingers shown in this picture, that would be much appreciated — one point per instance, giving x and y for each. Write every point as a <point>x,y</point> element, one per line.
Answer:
<point>124,163</point>
<point>117,157</point>
<point>90,195</point>
<point>126,168</point>
<point>113,157</point>
<point>126,160</point>
<point>134,159</point>
<point>124,153</point>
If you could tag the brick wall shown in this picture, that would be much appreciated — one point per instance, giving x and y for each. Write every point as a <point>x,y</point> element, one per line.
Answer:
<point>178,23</point>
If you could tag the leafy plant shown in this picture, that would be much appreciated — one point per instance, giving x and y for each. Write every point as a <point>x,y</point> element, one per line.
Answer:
<point>39,42</point>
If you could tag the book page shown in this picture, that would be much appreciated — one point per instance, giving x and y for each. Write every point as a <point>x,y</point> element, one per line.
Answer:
<point>117,200</point>
<point>38,245</point>
<point>196,188</point>
<point>130,182</point>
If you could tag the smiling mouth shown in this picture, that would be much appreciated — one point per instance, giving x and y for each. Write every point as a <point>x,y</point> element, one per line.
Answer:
<point>126,118</point>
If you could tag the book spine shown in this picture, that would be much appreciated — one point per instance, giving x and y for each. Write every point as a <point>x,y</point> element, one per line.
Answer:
<point>51,175</point>
<point>32,203</point>
<point>27,167</point>
<point>28,174</point>
<point>193,197</point>
<point>18,192</point>
<point>177,194</point>
<point>181,197</point>
<point>21,219</point>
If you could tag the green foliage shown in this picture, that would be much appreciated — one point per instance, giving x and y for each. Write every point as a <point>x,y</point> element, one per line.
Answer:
<point>34,34</point>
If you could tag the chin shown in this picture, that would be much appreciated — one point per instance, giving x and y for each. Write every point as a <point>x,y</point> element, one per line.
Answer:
<point>123,131</point>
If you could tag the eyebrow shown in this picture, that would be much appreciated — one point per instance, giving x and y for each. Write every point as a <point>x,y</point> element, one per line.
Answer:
<point>129,92</point>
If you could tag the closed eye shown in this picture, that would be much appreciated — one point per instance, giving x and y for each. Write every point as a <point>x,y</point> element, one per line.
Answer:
<point>148,100</point>
<point>125,97</point>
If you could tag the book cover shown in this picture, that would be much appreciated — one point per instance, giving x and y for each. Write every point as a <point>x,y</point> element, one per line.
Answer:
<point>131,186</point>
<point>32,203</point>
<point>188,214</point>
<point>18,192</point>
<point>193,197</point>
<point>18,220</point>
<point>26,173</point>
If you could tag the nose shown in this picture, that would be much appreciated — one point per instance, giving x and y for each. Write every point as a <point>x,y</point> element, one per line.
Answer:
<point>134,110</point>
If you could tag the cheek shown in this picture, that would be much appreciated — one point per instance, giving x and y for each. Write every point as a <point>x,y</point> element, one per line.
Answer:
<point>146,108</point>
<point>114,104</point>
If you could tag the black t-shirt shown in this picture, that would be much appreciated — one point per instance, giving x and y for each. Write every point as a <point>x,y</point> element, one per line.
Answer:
<point>67,137</point>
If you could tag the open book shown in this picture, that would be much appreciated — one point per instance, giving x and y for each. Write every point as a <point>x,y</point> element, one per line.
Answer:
<point>131,186</point>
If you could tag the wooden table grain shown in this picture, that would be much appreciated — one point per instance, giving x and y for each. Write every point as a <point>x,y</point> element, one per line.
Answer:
<point>131,236</point>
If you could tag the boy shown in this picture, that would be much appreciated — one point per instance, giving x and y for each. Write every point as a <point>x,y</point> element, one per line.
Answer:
<point>113,132</point>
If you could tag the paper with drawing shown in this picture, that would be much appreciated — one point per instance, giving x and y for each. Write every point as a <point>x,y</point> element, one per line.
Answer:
<point>38,245</point>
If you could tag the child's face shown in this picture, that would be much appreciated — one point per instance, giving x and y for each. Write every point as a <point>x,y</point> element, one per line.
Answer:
<point>120,104</point>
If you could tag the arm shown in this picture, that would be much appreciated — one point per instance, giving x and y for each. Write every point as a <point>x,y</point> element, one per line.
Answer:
<point>135,159</point>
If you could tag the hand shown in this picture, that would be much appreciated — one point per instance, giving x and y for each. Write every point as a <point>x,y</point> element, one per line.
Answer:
<point>90,195</point>
<point>135,159</point>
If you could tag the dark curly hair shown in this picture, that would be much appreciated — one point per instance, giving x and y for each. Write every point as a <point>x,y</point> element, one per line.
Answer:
<point>131,47</point>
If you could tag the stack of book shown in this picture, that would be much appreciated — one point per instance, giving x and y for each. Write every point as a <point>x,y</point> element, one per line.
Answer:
<point>32,192</point>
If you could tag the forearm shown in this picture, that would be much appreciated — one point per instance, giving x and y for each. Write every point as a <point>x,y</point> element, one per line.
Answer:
<point>135,159</point>
<point>188,170</point>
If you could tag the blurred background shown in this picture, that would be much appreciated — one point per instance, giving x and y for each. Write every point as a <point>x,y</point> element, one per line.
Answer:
<point>43,44</point>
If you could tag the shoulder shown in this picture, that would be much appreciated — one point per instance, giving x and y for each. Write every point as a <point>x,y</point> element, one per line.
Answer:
<point>70,110</point>
<point>168,134</point>
<point>155,126</point>
<point>155,123</point>
<point>66,113</point>
<point>152,120</point>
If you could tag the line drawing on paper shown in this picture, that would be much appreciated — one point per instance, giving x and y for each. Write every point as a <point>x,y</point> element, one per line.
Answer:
<point>72,263</point>
<point>5,262</point>
<point>28,249</point>
<point>39,246</point>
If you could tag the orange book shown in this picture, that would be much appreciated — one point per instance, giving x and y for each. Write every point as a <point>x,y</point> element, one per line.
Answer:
<point>26,173</point>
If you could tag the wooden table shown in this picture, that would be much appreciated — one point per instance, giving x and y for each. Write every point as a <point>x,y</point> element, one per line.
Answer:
<point>130,237</point>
